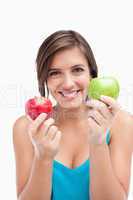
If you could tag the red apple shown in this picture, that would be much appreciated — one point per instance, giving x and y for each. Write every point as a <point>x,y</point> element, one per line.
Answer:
<point>37,105</point>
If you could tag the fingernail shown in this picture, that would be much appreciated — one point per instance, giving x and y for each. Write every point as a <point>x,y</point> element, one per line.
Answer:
<point>102,97</point>
<point>29,118</point>
<point>44,114</point>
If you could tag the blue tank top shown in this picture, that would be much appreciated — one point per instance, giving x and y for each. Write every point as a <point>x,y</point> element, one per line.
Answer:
<point>71,184</point>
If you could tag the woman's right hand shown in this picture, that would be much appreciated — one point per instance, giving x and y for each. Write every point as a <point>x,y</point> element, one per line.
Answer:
<point>45,137</point>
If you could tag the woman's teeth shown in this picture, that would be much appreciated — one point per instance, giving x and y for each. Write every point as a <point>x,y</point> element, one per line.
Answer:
<point>69,94</point>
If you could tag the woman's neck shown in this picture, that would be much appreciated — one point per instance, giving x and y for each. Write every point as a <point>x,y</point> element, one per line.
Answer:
<point>70,116</point>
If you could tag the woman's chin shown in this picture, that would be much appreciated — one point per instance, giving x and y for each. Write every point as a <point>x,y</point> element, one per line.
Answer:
<point>71,104</point>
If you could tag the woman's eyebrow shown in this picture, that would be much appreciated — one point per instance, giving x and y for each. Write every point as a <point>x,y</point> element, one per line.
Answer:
<point>78,65</point>
<point>73,66</point>
<point>53,68</point>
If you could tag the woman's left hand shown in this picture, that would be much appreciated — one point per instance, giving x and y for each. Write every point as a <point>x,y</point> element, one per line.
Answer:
<point>100,117</point>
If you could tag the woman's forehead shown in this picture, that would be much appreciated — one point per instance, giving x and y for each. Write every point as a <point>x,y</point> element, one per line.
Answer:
<point>68,57</point>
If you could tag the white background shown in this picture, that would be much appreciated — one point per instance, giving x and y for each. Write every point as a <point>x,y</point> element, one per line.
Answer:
<point>107,25</point>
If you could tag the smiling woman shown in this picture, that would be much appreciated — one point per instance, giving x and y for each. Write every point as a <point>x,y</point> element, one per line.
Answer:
<point>67,84</point>
<point>58,42</point>
<point>84,144</point>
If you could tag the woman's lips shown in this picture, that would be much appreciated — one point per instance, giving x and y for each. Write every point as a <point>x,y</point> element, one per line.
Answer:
<point>69,94</point>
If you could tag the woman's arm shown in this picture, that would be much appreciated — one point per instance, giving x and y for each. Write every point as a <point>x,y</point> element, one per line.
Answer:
<point>38,186</point>
<point>110,166</point>
<point>33,175</point>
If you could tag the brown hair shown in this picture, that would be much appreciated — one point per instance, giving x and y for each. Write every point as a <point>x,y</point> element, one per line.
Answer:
<point>57,41</point>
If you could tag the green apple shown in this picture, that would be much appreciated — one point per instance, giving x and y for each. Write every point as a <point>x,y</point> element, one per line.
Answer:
<point>107,86</point>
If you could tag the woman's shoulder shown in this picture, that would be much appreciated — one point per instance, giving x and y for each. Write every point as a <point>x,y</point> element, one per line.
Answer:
<point>21,120</point>
<point>20,130</point>
<point>21,123</point>
<point>123,119</point>
<point>122,129</point>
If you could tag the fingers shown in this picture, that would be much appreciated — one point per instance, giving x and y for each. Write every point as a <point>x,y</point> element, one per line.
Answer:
<point>46,125</point>
<point>29,118</point>
<point>93,125</point>
<point>57,138</point>
<point>51,133</point>
<point>101,107</point>
<point>99,119</point>
<point>111,103</point>
<point>35,124</point>
<point>43,128</point>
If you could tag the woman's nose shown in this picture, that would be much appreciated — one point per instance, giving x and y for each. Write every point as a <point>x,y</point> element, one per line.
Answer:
<point>68,82</point>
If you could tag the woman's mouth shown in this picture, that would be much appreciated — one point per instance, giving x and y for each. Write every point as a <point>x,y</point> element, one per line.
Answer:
<point>69,94</point>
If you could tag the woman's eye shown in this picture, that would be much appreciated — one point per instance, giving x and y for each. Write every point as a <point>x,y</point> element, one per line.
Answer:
<point>53,73</point>
<point>78,70</point>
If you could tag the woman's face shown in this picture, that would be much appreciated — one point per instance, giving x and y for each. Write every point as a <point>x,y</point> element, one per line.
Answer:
<point>68,78</point>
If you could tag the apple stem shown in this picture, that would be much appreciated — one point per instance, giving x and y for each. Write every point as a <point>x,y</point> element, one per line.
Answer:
<point>39,100</point>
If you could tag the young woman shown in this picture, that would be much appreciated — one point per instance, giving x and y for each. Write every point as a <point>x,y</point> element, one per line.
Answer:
<point>84,150</point>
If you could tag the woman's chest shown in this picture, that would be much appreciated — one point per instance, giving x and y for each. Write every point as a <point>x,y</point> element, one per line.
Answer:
<point>73,151</point>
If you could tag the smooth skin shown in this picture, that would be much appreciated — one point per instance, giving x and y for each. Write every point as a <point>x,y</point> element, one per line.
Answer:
<point>37,143</point>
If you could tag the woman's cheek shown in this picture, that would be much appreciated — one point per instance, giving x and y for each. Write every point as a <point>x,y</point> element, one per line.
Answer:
<point>83,82</point>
